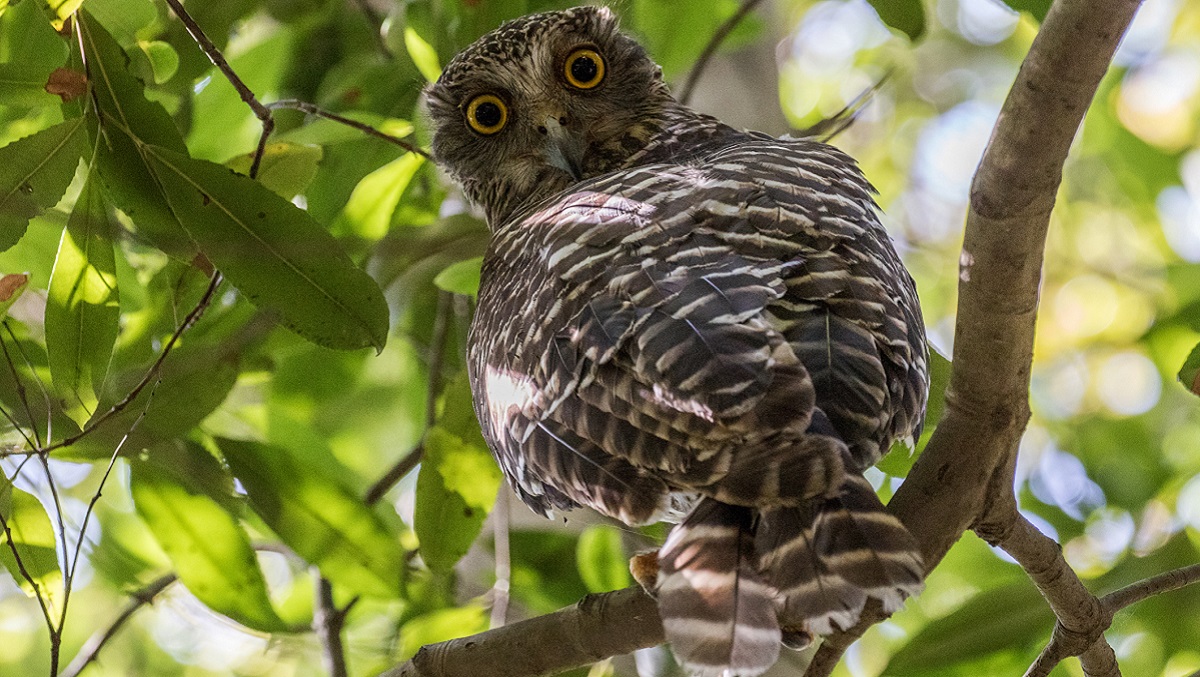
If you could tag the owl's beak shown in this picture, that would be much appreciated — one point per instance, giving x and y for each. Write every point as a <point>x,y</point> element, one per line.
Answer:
<point>563,149</point>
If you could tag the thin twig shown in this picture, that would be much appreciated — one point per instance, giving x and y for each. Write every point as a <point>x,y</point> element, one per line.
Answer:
<point>394,475</point>
<point>503,560</point>
<point>328,621</point>
<point>91,648</point>
<point>152,373</point>
<point>69,574</point>
<point>722,32</point>
<point>214,55</point>
<point>313,109</point>
<point>1132,594</point>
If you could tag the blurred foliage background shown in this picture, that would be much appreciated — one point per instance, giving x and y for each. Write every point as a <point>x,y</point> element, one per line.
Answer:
<point>250,467</point>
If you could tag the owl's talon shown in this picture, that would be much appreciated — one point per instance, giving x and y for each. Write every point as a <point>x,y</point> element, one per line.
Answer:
<point>644,567</point>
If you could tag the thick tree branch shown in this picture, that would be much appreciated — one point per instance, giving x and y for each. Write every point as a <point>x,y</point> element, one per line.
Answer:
<point>1013,193</point>
<point>597,627</point>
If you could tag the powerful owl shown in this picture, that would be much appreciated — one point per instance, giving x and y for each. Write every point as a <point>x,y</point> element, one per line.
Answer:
<point>678,319</point>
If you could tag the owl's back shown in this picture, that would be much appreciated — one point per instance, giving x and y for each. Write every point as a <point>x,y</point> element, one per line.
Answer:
<point>656,312</point>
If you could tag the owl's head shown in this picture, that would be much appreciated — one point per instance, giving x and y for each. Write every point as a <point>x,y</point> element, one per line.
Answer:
<point>541,103</point>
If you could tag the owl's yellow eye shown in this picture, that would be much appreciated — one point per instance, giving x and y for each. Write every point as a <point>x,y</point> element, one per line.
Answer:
<point>584,68</point>
<point>487,114</point>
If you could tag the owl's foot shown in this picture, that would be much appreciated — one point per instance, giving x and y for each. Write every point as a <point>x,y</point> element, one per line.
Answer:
<point>644,567</point>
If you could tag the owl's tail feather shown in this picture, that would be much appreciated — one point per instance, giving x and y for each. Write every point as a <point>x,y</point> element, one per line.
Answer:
<point>828,557</point>
<point>719,614</point>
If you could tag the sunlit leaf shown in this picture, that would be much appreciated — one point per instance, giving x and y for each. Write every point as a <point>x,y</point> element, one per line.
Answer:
<point>82,304</point>
<point>62,10</point>
<point>209,550</point>
<point>422,54</point>
<point>286,168</point>
<point>906,16</point>
<point>461,278</point>
<point>439,626</point>
<point>324,521</point>
<point>34,173</point>
<point>602,562</point>
<point>12,286</point>
<point>369,211</point>
<point>22,515</point>
<point>456,489</point>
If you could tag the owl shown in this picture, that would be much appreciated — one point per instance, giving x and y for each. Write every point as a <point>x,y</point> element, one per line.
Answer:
<point>681,320</point>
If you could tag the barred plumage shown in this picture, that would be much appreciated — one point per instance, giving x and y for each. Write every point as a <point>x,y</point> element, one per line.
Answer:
<point>673,312</point>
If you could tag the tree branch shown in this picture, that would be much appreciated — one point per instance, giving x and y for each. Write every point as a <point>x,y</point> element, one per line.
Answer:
<point>214,55</point>
<point>597,627</point>
<point>1013,193</point>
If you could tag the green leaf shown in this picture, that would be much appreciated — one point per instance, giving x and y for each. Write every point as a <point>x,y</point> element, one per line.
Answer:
<point>439,626</point>
<point>34,173</point>
<point>324,521</point>
<point>368,213</point>
<point>601,557</point>
<point>461,278</point>
<point>123,18</point>
<point>129,122</point>
<point>24,84</point>
<point>326,132</point>
<point>26,37</point>
<point>82,307</point>
<point>33,535</point>
<point>273,252</point>
<point>163,59</point>
<point>195,379</point>
<point>423,54</point>
<point>11,288</point>
<point>1037,8</point>
<point>208,548</point>
<point>456,489</point>
<point>1009,616</point>
<point>286,168</point>
<point>1189,373</point>
<point>906,16</point>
